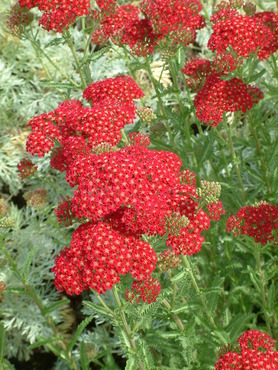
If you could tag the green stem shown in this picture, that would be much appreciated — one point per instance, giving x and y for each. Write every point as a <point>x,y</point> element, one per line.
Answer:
<point>68,39</point>
<point>175,317</point>
<point>87,42</point>
<point>187,266</point>
<point>172,66</point>
<point>234,156</point>
<point>125,323</point>
<point>160,102</point>
<point>35,45</point>
<point>262,286</point>
<point>205,10</point>
<point>258,147</point>
<point>33,294</point>
<point>105,305</point>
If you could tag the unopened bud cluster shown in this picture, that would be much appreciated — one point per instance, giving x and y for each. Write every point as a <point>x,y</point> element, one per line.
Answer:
<point>18,19</point>
<point>175,223</point>
<point>169,53</point>
<point>209,191</point>
<point>157,129</point>
<point>249,8</point>
<point>146,114</point>
<point>37,198</point>
<point>104,148</point>
<point>3,208</point>
<point>168,260</point>
<point>26,168</point>
<point>7,223</point>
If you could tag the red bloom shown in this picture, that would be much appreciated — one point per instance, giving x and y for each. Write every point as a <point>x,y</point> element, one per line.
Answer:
<point>146,290</point>
<point>215,210</point>
<point>244,34</point>
<point>58,13</point>
<point>122,88</point>
<point>255,351</point>
<point>257,221</point>
<point>26,168</point>
<point>218,96</point>
<point>255,339</point>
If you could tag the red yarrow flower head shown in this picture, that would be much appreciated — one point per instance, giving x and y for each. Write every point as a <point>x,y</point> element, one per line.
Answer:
<point>122,88</point>
<point>218,96</point>
<point>257,221</point>
<point>58,14</point>
<point>26,168</point>
<point>168,260</point>
<point>215,210</point>
<point>146,291</point>
<point>256,350</point>
<point>244,34</point>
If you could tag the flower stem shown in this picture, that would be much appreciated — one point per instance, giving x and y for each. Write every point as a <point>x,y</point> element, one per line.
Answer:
<point>125,323</point>
<point>262,285</point>
<point>104,304</point>
<point>234,156</point>
<point>68,39</point>
<point>187,266</point>
<point>160,102</point>
<point>172,66</point>
<point>258,147</point>
<point>35,45</point>
<point>175,317</point>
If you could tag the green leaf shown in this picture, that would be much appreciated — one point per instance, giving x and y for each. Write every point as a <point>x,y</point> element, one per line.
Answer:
<point>178,277</point>
<point>28,261</point>
<point>78,332</point>
<point>254,278</point>
<point>257,75</point>
<point>15,290</point>
<point>2,343</point>
<point>238,325</point>
<point>55,42</point>
<point>44,342</point>
<point>181,57</point>
<point>83,357</point>
<point>97,308</point>
<point>96,55</point>
<point>55,305</point>
<point>60,85</point>
<point>132,363</point>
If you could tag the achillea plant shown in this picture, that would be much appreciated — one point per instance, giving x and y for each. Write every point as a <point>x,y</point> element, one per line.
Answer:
<point>144,205</point>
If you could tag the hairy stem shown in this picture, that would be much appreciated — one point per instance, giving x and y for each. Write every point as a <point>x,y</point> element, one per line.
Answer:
<point>125,323</point>
<point>187,266</point>
<point>234,156</point>
<point>262,286</point>
<point>69,41</point>
<point>259,151</point>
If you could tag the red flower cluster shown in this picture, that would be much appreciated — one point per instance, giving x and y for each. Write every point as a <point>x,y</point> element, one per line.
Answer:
<point>120,194</point>
<point>77,129</point>
<point>215,210</point>
<point>58,14</point>
<point>26,168</point>
<point>146,290</point>
<point>218,96</point>
<point>165,23</point>
<point>256,351</point>
<point>258,221</point>
<point>245,34</point>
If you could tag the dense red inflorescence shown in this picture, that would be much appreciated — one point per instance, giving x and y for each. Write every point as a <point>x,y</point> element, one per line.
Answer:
<point>258,221</point>
<point>120,194</point>
<point>58,14</point>
<point>256,350</point>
